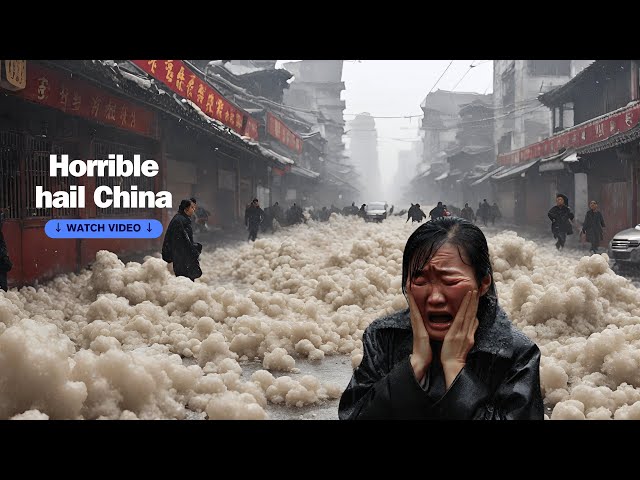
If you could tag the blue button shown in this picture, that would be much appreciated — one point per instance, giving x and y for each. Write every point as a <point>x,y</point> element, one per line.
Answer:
<point>93,228</point>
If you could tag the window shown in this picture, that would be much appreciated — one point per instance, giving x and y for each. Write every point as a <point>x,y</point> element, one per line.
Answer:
<point>557,119</point>
<point>10,144</point>
<point>509,88</point>
<point>226,180</point>
<point>553,68</point>
<point>504,145</point>
<point>562,117</point>
<point>567,115</point>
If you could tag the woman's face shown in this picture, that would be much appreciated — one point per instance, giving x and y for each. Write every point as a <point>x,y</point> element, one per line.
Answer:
<point>440,288</point>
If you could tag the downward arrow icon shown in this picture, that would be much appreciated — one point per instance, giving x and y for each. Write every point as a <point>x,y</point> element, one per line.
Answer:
<point>58,229</point>
<point>149,229</point>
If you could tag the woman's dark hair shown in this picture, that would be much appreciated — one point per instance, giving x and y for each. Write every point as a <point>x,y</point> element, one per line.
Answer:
<point>184,204</point>
<point>427,239</point>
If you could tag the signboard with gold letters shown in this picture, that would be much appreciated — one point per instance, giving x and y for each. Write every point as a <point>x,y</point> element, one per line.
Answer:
<point>55,89</point>
<point>179,78</point>
<point>14,74</point>
<point>277,129</point>
<point>582,135</point>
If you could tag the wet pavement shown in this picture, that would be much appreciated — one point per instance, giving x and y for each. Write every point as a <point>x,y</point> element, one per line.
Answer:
<point>335,369</point>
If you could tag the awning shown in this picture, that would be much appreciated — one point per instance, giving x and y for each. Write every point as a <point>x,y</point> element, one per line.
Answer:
<point>276,156</point>
<point>450,174</point>
<point>425,173</point>
<point>556,162</point>
<point>513,171</point>
<point>303,172</point>
<point>488,175</point>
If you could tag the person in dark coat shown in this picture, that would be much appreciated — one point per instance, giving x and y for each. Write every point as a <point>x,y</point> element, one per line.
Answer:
<point>495,213</point>
<point>410,213</point>
<point>561,216</point>
<point>437,211</point>
<point>5,262</point>
<point>593,226</point>
<point>415,213</point>
<point>200,217</point>
<point>454,353</point>
<point>484,211</point>
<point>253,217</point>
<point>467,213</point>
<point>178,245</point>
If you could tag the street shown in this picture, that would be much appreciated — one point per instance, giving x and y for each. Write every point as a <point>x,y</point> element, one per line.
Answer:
<point>273,328</point>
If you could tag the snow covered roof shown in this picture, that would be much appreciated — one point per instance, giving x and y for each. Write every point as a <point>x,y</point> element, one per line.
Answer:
<point>241,69</point>
<point>510,172</point>
<point>488,175</point>
<point>270,153</point>
<point>449,103</point>
<point>304,172</point>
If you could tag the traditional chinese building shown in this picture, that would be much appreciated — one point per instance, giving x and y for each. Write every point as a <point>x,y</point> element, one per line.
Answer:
<point>258,87</point>
<point>598,143</point>
<point>452,121</point>
<point>441,136</point>
<point>159,109</point>
<point>315,96</point>
<point>594,152</point>
<point>520,120</point>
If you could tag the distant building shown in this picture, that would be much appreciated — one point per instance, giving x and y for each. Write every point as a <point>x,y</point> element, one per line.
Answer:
<point>315,95</point>
<point>363,149</point>
<point>452,120</point>
<point>520,118</point>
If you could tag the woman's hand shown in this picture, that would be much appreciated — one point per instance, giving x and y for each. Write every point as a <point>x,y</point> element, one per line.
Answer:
<point>460,338</point>
<point>422,354</point>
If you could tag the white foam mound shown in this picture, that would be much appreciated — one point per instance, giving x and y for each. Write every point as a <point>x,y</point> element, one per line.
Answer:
<point>132,341</point>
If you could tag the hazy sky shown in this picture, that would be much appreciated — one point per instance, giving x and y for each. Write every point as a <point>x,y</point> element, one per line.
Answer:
<point>397,87</point>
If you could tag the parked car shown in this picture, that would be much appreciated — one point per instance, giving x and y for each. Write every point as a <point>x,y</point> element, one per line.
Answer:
<point>376,211</point>
<point>624,248</point>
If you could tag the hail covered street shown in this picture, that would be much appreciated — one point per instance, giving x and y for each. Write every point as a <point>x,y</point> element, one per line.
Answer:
<point>273,328</point>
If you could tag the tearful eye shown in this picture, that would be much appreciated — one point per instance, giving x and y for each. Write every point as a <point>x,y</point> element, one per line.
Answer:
<point>420,280</point>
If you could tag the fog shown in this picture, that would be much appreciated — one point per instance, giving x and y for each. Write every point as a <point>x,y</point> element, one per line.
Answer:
<point>372,86</point>
<point>273,328</point>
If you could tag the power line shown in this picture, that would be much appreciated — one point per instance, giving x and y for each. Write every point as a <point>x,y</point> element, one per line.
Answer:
<point>382,116</point>
<point>520,105</point>
<point>445,71</point>
<point>473,122</point>
<point>465,74</point>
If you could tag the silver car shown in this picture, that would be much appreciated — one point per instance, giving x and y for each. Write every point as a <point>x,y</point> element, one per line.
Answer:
<point>375,211</point>
<point>624,248</point>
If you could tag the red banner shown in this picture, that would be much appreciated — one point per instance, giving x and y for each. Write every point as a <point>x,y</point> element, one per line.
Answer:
<point>588,133</point>
<point>277,129</point>
<point>251,128</point>
<point>181,79</point>
<point>76,97</point>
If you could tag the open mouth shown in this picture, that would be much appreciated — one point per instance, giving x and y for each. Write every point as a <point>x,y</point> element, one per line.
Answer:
<point>440,322</point>
<point>440,318</point>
